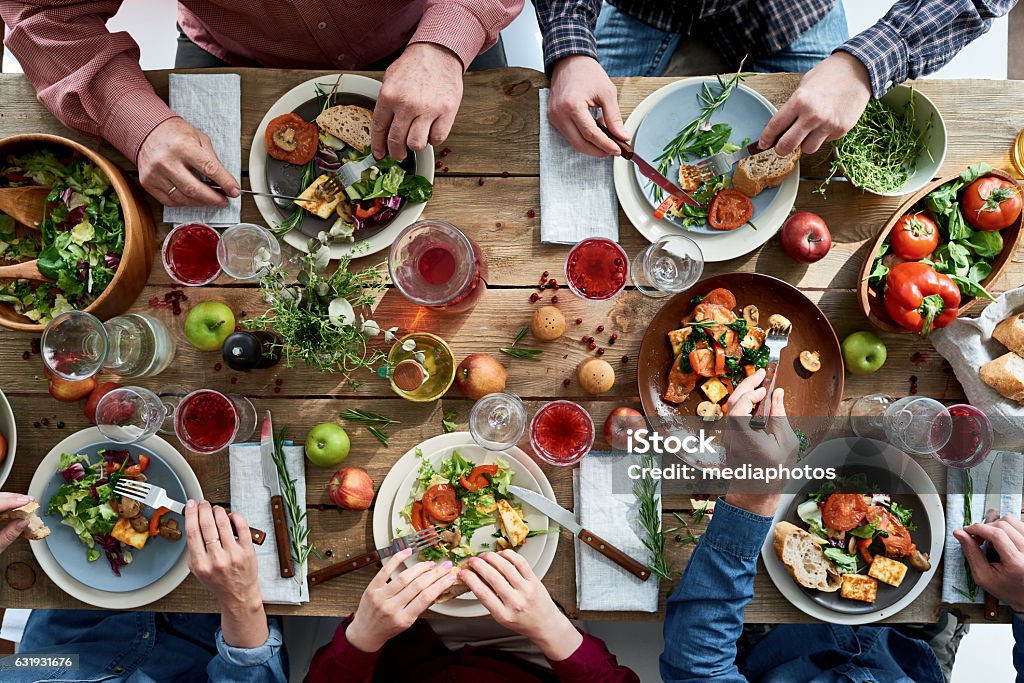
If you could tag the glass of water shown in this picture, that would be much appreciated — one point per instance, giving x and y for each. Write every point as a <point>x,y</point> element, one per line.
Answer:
<point>672,264</point>
<point>133,414</point>
<point>245,251</point>
<point>918,425</point>
<point>498,421</point>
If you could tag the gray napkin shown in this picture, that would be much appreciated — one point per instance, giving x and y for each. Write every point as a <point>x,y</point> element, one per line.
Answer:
<point>577,193</point>
<point>211,103</point>
<point>967,344</point>
<point>252,499</point>
<point>954,576</point>
<point>600,583</point>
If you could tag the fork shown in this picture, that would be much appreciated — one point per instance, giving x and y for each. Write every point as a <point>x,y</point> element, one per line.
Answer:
<point>419,540</point>
<point>777,340</point>
<point>721,163</point>
<point>352,171</point>
<point>329,189</point>
<point>156,497</point>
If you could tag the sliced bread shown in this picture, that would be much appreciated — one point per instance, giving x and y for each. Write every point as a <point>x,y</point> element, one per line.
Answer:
<point>348,123</point>
<point>455,590</point>
<point>1006,375</point>
<point>804,559</point>
<point>36,529</point>
<point>766,169</point>
<point>1011,333</point>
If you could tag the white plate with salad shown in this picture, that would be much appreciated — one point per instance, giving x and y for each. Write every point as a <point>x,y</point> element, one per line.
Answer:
<point>74,490</point>
<point>657,122</point>
<point>861,547</point>
<point>409,478</point>
<point>300,153</point>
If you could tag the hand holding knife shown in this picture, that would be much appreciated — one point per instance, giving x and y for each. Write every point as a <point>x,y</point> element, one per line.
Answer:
<point>277,511</point>
<point>649,171</point>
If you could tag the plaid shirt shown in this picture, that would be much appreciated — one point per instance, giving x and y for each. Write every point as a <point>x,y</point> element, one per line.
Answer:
<point>913,39</point>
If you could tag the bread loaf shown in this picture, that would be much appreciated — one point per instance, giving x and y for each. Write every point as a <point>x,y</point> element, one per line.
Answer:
<point>1006,375</point>
<point>348,123</point>
<point>763,170</point>
<point>1011,333</point>
<point>804,559</point>
<point>36,529</point>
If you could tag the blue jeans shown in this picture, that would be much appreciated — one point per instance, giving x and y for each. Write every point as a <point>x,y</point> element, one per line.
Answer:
<point>629,47</point>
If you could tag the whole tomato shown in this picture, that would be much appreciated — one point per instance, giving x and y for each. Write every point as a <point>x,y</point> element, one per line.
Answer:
<point>991,203</point>
<point>914,237</point>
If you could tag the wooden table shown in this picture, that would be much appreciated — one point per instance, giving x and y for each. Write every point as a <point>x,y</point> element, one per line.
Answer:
<point>490,189</point>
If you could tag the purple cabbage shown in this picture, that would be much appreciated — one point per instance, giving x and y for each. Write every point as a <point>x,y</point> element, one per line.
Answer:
<point>327,160</point>
<point>877,498</point>
<point>75,216</point>
<point>92,489</point>
<point>82,268</point>
<point>113,260</point>
<point>117,457</point>
<point>66,195</point>
<point>73,472</point>
<point>112,547</point>
<point>837,542</point>
<point>385,214</point>
<point>357,224</point>
<point>391,202</point>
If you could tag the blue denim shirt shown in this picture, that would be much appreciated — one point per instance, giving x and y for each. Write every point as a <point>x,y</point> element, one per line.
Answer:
<point>144,647</point>
<point>705,618</point>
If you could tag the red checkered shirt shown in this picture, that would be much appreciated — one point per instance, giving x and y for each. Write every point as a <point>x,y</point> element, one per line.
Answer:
<point>91,79</point>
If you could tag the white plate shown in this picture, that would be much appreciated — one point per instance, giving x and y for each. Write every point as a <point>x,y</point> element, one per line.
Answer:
<point>917,480</point>
<point>9,428</point>
<point>273,214</point>
<point>72,586</point>
<point>393,496</point>
<point>720,247</point>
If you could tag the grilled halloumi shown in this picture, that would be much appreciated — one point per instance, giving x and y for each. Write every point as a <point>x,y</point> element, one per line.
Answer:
<point>677,338</point>
<point>887,571</point>
<point>714,390</point>
<point>754,338</point>
<point>124,532</point>
<point>859,587</point>
<point>313,200</point>
<point>512,524</point>
<point>689,178</point>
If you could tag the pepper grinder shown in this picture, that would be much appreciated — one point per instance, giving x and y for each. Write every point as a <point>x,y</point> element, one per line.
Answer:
<point>245,351</point>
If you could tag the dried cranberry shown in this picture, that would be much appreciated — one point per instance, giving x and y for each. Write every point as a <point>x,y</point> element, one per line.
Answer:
<point>566,382</point>
<point>46,421</point>
<point>445,169</point>
<point>614,336</point>
<point>583,339</point>
<point>600,328</point>
<point>552,283</point>
<point>600,352</point>
<point>217,367</point>
<point>531,213</point>
<point>554,299</point>
<point>34,347</point>
<point>277,390</point>
<point>544,275</point>
<point>234,380</point>
<point>617,261</point>
<point>534,298</point>
<point>278,381</point>
<point>36,424</point>
<point>480,181</point>
<point>505,174</point>
<point>592,345</point>
<point>26,355</point>
<point>60,425</point>
<point>625,359</point>
<point>579,321</point>
<point>446,151</point>
<point>438,164</point>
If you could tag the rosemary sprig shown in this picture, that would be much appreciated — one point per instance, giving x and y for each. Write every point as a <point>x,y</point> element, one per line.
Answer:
<point>519,335</point>
<point>526,354</point>
<point>700,513</point>
<point>972,588</point>
<point>646,491</point>
<point>298,529</point>
<point>375,423</point>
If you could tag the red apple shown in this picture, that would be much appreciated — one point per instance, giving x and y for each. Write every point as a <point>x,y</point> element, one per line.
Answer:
<point>351,489</point>
<point>619,421</point>
<point>805,237</point>
<point>479,374</point>
<point>99,392</point>
<point>69,391</point>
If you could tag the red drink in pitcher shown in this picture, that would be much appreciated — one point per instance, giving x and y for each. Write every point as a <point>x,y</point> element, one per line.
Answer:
<point>596,269</point>
<point>434,264</point>
<point>207,421</point>
<point>561,433</point>
<point>190,254</point>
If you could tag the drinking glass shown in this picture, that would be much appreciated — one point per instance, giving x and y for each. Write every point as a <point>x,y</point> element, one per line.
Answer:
<point>595,269</point>
<point>561,433</point>
<point>498,421</point>
<point>866,416</point>
<point>671,264</point>
<point>972,438</point>
<point>76,345</point>
<point>434,264</point>
<point>133,414</point>
<point>917,425</point>
<point>207,421</point>
<point>190,254</point>
<point>245,251</point>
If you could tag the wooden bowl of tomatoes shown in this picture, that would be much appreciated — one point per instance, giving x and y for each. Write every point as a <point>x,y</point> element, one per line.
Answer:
<point>939,252</point>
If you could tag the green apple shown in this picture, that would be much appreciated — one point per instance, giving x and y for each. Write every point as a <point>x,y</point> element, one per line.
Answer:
<point>863,352</point>
<point>327,445</point>
<point>208,324</point>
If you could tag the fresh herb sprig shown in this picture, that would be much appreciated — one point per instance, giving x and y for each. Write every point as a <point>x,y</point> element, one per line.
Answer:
<point>375,423</point>
<point>526,354</point>
<point>646,491</point>
<point>298,529</point>
<point>972,588</point>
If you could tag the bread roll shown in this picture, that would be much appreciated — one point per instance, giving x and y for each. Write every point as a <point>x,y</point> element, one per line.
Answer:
<point>1011,333</point>
<point>759,172</point>
<point>1006,375</point>
<point>36,529</point>
<point>804,559</point>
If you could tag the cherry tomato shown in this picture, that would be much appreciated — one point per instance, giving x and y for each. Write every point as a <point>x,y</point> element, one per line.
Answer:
<point>914,237</point>
<point>991,203</point>
<point>729,210</point>
<point>476,479</point>
<point>844,511</point>
<point>441,503</point>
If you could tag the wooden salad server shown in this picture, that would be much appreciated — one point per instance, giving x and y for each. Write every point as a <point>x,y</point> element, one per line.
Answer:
<point>26,205</point>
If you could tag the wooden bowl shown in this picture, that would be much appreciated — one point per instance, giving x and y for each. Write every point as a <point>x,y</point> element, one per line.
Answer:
<point>872,304</point>
<point>140,235</point>
<point>816,395</point>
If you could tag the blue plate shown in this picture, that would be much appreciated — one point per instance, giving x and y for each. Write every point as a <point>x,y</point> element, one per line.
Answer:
<point>747,112</point>
<point>148,565</point>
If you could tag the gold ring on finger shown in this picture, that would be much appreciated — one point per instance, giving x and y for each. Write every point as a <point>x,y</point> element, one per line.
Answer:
<point>212,541</point>
<point>172,190</point>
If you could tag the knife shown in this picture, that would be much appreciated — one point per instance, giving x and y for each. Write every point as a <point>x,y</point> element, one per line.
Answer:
<point>649,171</point>
<point>993,510</point>
<point>567,520</point>
<point>271,482</point>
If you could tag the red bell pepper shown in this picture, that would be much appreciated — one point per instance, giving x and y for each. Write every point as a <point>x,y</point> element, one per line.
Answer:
<point>136,470</point>
<point>719,358</point>
<point>919,298</point>
<point>476,480</point>
<point>670,204</point>
<point>154,522</point>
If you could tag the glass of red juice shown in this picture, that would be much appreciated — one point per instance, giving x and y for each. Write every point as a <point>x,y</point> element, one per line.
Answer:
<point>971,439</point>
<point>434,264</point>
<point>190,254</point>
<point>561,433</point>
<point>207,421</point>
<point>596,269</point>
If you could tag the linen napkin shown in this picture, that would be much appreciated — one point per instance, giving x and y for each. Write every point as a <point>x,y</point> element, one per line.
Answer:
<point>251,498</point>
<point>967,344</point>
<point>954,575</point>
<point>577,193</point>
<point>211,103</point>
<point>600,583</point>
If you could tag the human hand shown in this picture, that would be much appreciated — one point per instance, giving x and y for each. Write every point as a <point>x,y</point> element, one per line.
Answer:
<point>505,584</point>
<point>418,101</point>
<point>829,101</point>
<point>578,83</point>
<point>774,447</point>
<point>389,607</point>
<point>1005,578</point>
<point>9,501</point>
<point>167,159</point>
<point>226,567</point>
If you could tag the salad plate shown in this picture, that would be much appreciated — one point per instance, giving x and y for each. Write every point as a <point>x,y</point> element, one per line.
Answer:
<point>154,571</point>
<point>882,468</point>
<point>393,495</point>
<point>270,175</point>
<point>674,106</point>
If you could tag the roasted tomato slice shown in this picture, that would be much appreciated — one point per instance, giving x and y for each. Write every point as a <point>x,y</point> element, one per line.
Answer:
<point>898,543</point>
<point>476,479</point>
<point>720,296</point>
<point>729,210</point>
<point>844,511</point>
<point>441,503</point>
<point>292,140</point>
